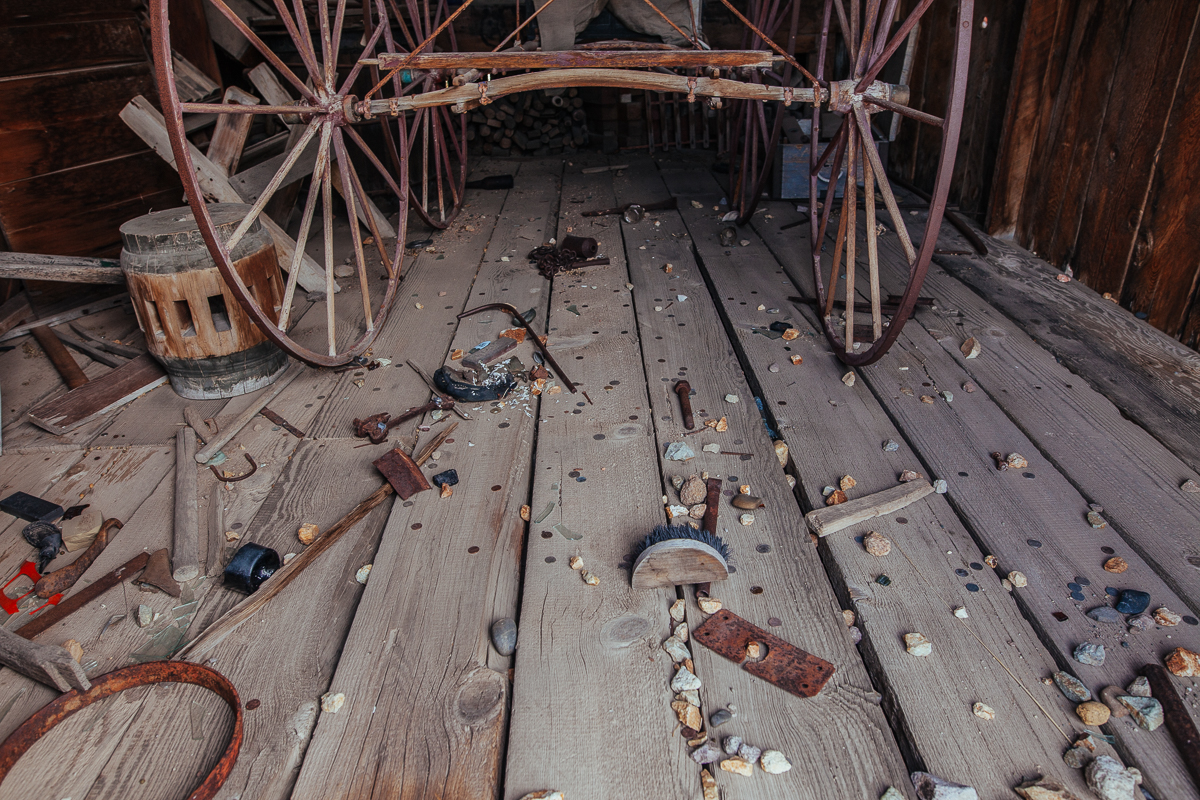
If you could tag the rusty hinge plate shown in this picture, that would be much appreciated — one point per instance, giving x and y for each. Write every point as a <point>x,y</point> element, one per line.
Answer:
<point>784,664</point>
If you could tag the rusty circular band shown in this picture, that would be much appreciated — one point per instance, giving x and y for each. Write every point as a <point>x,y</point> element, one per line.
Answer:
<point>119,680</point>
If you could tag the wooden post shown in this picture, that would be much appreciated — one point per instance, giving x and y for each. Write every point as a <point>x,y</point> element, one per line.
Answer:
<point>185,552</point>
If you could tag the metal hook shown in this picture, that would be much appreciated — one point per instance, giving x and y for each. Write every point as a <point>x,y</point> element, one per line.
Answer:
<point>236,478</point>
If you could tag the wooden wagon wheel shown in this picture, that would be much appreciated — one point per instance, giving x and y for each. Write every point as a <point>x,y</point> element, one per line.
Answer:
<point>863,41</point>
<point>324,116</point>
<point>753,126</point>
<point>436,140</point>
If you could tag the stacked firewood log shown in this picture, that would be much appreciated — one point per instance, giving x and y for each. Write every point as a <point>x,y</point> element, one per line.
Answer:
<point>530,123</point>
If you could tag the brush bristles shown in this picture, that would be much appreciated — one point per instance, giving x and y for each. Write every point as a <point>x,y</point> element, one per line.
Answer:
<point>662,533</point>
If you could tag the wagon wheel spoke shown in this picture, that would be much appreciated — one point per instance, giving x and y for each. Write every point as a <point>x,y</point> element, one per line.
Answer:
<point>277,180</point>
<point>894,43</point>
<point>307,55</point>
<point>360,261</point>
<point>306,218</point>
<point>262,48</point>
<point>885,188</point>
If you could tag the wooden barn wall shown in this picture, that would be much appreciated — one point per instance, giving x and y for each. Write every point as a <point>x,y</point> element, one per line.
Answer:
<point>70,170</point>
<point>1097,166</point>
<point>914,153</point>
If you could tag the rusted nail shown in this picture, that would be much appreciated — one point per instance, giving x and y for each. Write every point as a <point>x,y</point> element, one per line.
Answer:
<point>1001,463</point>
<point>684,390</point>
<point>235,479</point>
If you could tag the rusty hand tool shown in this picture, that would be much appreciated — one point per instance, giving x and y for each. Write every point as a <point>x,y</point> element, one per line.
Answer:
<point>377,426</point>
<point>63,579</point>
<point>1175,714</point>
<point>537,342</point>
<point>45,663</point>
<point>83,597</point>
<point>236,478</point>
<point>684,390</point>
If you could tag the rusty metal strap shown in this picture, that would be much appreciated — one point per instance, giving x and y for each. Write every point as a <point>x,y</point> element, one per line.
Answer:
<point>32,729</point>
<point>784,664</point>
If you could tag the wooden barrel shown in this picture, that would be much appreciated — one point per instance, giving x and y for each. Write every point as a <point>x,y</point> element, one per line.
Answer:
<point>207,344</point>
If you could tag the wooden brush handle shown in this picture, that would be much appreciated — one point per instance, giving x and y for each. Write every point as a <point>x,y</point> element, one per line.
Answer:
<point>63,579</point>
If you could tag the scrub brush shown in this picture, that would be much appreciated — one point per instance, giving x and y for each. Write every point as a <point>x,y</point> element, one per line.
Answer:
<point>674,555</point>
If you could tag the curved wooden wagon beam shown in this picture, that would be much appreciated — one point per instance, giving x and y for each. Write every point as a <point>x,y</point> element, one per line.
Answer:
<point>472,95</point>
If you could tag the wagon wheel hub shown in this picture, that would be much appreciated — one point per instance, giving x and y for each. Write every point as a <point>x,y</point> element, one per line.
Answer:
<point>843,95</point>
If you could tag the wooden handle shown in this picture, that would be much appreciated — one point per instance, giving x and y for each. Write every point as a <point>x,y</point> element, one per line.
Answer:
<point>62,360</point>
<point>63,579</point>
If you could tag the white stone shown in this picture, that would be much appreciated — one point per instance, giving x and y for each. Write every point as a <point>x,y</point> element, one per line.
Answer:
<point>332,702</point>
<point>774,762</point>
<point>917,644</point>
<point>676,649</point>
<point>684,680</point>
<point>363,573</point>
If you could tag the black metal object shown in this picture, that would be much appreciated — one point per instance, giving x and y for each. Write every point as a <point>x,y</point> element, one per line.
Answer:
<point>447,478</point>
<point>784,664</point>
<point>30,508</point>
<point>470,392</point>
<point>46,539</point>
<point>250,566</point>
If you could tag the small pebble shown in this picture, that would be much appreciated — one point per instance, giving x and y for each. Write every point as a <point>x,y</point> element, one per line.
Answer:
<point>969,387</point>
<point>678,610</point>
<point>848,617</point>
<point>892,793</point>
<point>746,519</point>
<point>1141,622</point>
<point>681,632</point>
<point>731,744</point>
<point>960,612</point>
<point>848,379</point>
<point>679,451</point>
<point>774,762</point>
<point>927,399</point>
<point>1075,758</point>
<point>983,711</point>
<point>890,446</point>
<point>1105,614</point>
<point>684,679</point>
<point>940,486</point>
<point>1111,781</point>
<point>1116,565</point>
<point>332,702</point>
<point>1016,461</point>
<point>1093,713</point>
<point>877,544</point>
<point>709,784</point>
<point>796,359</point>
<point>145,615</point>
<point>576,562</point>
<point>883,580</point>
<point>1090,653</point>
<point>1006,584</point>
<point>1183,663</point>
<point>363,573</point>
<point>971,348</point>
<point>748,752</point>
<point>917,644</point>
<point>1018,579</point>
<point>504,636</point>
<point>855,634</point>
<point>847,483</point>
<point>707,753</point>
<point>1167,618</point>
<point>1095,520</point>
<point>991,561</point>
<point>719,717</point>
<point>948,395</point>
<point>731,398</point>
<point>590,578</point>
<point>1071,687</point>
<point>1190,486</point>
<point>1146,711</point>
<point>1132,601</point>
<point>773,368</point>
<point>737,765</point>
<point>676,649</point>
<point>709,605</point>
<point>1140,687</point>
<point>931,787</point>
<point>908,475</point>
<point>307,533</point>
<point>781,452</point>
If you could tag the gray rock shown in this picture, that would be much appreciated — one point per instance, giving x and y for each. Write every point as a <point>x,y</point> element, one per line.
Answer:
<point>1139,688</point>
<point>890,446</point>
<point>1072,687</point>
<point>732,743</point>
<point>676,649</point>
<point>145,615</point>
<point>1147,711</point>
<point>719,718</point>
<point>1142,622</point>
<point>940,486</point>
<point>707,753</point>
<point>931,787</point>
<point>504,636</point>
<point>855,634</point>
<point>1110,781</point>
<point>892,793</point>
<point>748,752</point>
<point>679,451</point>
<point>1076,757</point>
<point>1090,653</point>
<point>1105,614</point>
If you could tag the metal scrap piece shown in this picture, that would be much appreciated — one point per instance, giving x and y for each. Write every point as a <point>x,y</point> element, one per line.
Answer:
<point>283,423</point>
<point>784,665</point>
<point>236,478</point>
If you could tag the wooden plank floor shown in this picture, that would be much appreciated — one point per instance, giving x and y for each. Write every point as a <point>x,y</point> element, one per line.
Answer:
<point>1103,407</point>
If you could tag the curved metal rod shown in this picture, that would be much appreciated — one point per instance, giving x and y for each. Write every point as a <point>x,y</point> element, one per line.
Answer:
<point>536,341</point>
<point>236,478</point>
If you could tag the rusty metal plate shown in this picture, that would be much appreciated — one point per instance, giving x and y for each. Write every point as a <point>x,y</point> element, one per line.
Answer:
<point>784,664</point>
<point>402,473</point>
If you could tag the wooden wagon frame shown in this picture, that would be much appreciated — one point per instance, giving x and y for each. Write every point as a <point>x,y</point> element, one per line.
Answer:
<point>420,94</point>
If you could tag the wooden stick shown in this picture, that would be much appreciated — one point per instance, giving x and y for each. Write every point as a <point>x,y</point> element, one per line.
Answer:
<point>92,352</point>
<point>71,374</point>
<point>14,311</point>
<point>185,549</point>
<point>831,519</point>
<point>435,444</point>
<point>69,269</point>
<point>45,663</point>
<point>234,617</point>
<point>250,413</point>
<point>66,316</point>
<point>111,390</point>
<point>123,350</point>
